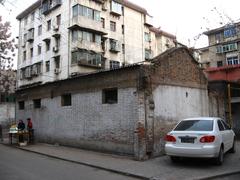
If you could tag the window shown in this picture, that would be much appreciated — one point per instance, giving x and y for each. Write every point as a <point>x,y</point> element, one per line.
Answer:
<point>114,45</point>
<point>75,10</point>
<point>113,26</point>
<point>87,58</point>
<point>219,49</point>
<point>40,30</point>
<point>232,60</point>
<point>219,63</point>
<point>110,96</point>
<point>97,39</point>
<point>230,32</point>
<point>66,100</point>
<point>195,125</point>
<point>75,35</point>
<point>25,21</point>
<point>148,54</point>
<point>218,37</point>
<point>114,64</point>
<point>90,13</point>
<point>24,55</point>
<point>47,66</point>
<point>25,38</point>
<point>39,49</point>
<point>47,45</point>
<point>31,52</point>
<point>220,126</point>
<point>32,16</point>
<point>36,69</point>
<point>21,105</point>
<point>37,103</point>
<point>58,19</point>
<point>103,22</point>
<point>116,7</point>
<point>147,37</point>
<point>57,62</point>
<point>97,16</point>
<point>227,48</point>
<point>48,25</point>
<point>86,12</point>
<point>31,34</point>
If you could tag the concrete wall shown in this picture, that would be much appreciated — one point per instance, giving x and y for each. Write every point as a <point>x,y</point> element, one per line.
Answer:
<point>87,123</point>
<point>7,113</point>
<point>173,103</point>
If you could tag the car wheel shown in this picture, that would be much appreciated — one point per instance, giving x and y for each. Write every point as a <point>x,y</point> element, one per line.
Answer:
<point>233,150</point>
<point>219,159</point>
<point>174,159</point>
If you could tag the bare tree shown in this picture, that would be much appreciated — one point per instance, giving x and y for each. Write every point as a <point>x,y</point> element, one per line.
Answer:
<point>7,54</point>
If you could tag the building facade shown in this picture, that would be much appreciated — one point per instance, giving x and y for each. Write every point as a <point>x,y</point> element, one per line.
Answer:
<point>59,39</point>
<point>221,61</point>
<point>127,110</point>
<point>224,46</point>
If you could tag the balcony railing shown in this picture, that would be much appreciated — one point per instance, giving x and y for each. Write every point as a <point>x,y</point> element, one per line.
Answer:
<point>83,23</point>
<point>83,44</point>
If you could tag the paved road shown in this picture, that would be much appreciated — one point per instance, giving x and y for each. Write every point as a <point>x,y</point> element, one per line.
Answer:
<point>16,164</point>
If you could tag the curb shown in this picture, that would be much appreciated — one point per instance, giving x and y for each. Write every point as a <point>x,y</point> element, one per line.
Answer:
<point>84,163</point>
<point>220,175</point>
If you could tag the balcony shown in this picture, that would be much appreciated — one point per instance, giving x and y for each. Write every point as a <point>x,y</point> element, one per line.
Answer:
<point>87,45</point>
<point>30,36</point>
<point>47,7</point>
<point>83,23</point>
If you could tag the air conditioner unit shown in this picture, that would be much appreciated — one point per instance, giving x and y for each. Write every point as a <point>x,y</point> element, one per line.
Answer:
<point>55,49</point>
<point>55,27</point>
<point>57,70</point>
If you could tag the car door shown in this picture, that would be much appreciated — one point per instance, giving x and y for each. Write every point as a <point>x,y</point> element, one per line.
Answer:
<point>229,135</point>
<point>223,134</point>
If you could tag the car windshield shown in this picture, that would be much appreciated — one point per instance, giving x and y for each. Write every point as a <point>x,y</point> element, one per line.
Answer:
<point>195,125</point>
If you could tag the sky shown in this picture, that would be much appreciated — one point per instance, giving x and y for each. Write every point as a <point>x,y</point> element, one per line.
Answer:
<point>184,18</point>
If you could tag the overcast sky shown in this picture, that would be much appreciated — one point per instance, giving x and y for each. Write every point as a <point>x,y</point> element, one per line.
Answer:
<point>184,18</point>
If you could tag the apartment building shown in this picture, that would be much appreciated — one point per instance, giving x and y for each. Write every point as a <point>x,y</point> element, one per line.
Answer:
<point>223,46</point>
<point>62,38</point>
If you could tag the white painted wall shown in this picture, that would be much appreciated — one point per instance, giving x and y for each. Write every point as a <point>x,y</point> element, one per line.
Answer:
<point>176,103</point>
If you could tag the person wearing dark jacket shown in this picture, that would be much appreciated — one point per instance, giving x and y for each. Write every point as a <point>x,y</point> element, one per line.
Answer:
<point>21,127</point>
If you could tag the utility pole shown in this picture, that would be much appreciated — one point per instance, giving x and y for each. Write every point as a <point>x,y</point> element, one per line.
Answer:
<point>229,105</point>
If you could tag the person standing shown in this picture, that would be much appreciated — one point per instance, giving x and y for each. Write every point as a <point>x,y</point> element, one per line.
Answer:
<point>30,130</point>
<point>21,127</point>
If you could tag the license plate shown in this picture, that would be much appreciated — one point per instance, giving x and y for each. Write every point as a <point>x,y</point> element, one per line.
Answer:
<point>187,140</point>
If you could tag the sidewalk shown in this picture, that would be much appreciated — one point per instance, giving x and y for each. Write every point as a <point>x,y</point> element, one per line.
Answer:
<point>158,168</point>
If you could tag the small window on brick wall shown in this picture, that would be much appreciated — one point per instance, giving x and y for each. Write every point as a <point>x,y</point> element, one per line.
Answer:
<point>66,100</point>
<point>37,103</point>
<point>21,105</point>
<point>110,96</point>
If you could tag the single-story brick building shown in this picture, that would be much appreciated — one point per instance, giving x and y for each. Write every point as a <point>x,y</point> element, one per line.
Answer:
<point>126,110</point>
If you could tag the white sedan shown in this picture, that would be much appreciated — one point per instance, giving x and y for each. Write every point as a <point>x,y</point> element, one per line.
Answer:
<point>203,137</point>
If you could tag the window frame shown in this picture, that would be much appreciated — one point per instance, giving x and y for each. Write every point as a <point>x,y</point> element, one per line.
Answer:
<point>65,101</point>
<point>108,98</point>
